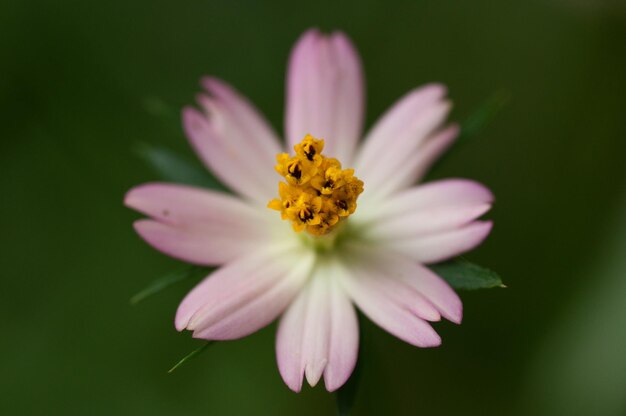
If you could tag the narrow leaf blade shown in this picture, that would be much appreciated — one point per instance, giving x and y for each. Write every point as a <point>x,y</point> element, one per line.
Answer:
<point>461,274</point>
<point>191,355</point>
<point>483,115</point>
<point>167,281</point>
<point>163,111</point>
<point>477,122</point>
<point>175,168</point>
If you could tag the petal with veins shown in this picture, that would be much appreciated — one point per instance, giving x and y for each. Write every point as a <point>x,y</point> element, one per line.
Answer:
<point>426,209</point>
<point>433,195</point>
<point>244,295</point>
<point>187,205</point>
<point>415,166</point>
<point>197,225</point>
<point>440,246</point>
<point>325,94</point>
<point>318,335</point>
<point>234,141</point>
<point>392,309</point>
<point>388,129</point>
<point>402,275</point>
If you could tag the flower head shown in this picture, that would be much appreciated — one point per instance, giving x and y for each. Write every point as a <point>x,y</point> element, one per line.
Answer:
<point>318,193</point>
<point>340,240</point>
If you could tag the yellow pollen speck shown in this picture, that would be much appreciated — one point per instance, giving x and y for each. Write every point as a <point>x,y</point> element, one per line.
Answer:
<point>317,194</point>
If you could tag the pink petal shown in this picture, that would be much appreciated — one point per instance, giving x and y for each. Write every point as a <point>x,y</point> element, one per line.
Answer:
<point>425,221</point>
<point>447,195</point>
<point>318,335</point>
<point>403,277</point>
<point>401,149</point>
<point>435,195</point>
<point>391,308</point>
<point>245,295</point>
<point>416,166</point>
<point>262,137</point>
<point>325,93</point>
<point>404,121</point>
<point>196,225</point>
<point>426,209</point>
<point>289,342</point>
<point>187,205</point>
<point>211,244</point>
<point>440,246</point>
<point>344,340</point>
<point>234,141</point>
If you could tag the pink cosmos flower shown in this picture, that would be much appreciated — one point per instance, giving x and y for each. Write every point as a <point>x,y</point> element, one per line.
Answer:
<point>376,261</point>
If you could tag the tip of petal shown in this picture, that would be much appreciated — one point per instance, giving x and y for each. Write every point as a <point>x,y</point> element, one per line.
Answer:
<point>332,385</point>
<point>142,226</point>
<point>193,120</point>
<point>130,199</point>
<point>343,41</point>
<point>293,382</point>
<point>211,83</point>
<point>180,322</point>
<point>335,377</point>
<point>295,387</point>
<point>432,342</point>
<point>479,189</point>
<point>314,371</point>
<point>305,44</point>
<point>456,316</point>
<point>483,228</point>
<point>435,344</point>
<point>217,87</point>
<point>136,196</point>
<point>196,126</point>
<point>312,32</point>
<point>433,91</point>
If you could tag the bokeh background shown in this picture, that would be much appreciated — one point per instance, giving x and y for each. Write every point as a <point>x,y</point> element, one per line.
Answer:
<point>82,83</point>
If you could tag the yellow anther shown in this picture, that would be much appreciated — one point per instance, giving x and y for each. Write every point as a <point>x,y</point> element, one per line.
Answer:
<point>288,197</point>
<point>327,221</point>
<point>297,170</point>
<point>310,148</point>
<point>318,194</point>
<point>333,178</point>
<point>305,211</point>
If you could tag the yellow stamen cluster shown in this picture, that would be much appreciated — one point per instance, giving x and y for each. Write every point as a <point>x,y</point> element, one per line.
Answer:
<point>317,193</point>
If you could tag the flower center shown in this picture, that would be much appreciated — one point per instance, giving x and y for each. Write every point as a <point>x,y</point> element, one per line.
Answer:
<point>317,194</point>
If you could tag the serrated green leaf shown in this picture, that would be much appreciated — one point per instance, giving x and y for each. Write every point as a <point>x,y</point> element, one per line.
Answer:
<point>175,168</point>
<point>167,281</point>
<point>461,274</point>
<point>191,355</point>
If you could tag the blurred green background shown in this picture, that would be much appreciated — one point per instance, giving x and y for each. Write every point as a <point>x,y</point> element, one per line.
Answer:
<point>75,77</point>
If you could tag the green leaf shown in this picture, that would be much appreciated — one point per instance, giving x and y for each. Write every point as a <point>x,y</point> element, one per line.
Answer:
<point>483,116</point>
<point>477,122</point>
<point>461,274</point>
<point>191,355</point>
<point>167,281</point>
<point>175,168</point>
<point>158,108</point>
